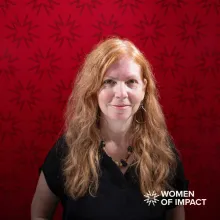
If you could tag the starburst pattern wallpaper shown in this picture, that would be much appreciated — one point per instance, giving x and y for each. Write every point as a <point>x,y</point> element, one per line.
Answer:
<point>44,42</point>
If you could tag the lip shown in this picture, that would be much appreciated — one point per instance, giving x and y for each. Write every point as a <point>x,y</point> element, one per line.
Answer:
<point>121,106</point>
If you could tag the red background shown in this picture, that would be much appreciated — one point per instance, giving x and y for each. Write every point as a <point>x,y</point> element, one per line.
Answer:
<point>42,44</point>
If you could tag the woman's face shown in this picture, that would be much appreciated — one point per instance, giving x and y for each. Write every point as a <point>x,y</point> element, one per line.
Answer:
<point>122,90</point>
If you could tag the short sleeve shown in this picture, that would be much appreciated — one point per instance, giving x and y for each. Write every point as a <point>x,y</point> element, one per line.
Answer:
<point>180,183</point>
<point>52,167</point>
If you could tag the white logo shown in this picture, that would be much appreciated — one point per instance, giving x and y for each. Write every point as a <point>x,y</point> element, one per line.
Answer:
<point>151,198</point>
<point>174,197</point>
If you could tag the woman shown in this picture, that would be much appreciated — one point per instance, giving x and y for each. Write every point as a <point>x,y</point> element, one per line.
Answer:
<point>115,148</point>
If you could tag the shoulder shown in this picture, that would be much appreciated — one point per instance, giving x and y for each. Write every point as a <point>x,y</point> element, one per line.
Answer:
<point>52,166</point>
<point>179,174</point>
<point>59,148</point>
<point>179,180</point>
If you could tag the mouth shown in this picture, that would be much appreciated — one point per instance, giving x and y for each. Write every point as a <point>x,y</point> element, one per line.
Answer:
<point>121,106</point>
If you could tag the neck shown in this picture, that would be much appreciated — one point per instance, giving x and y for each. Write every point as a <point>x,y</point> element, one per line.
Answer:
<point>115,131</point>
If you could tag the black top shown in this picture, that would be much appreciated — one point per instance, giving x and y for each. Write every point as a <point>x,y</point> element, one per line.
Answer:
<point>118,197</point>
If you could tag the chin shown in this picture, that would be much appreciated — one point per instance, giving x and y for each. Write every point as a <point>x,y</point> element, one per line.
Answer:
<point>121,117</point>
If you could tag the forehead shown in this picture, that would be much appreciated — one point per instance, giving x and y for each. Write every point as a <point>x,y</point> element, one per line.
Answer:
<point>124,67</point>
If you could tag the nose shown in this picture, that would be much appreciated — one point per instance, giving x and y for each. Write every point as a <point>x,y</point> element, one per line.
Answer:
<point>121,91</point>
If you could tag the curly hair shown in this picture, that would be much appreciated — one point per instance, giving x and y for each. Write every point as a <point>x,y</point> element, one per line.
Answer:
<point>155,160</point>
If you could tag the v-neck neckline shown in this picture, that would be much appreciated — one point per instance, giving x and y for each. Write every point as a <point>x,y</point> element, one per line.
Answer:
<point>122,179</point>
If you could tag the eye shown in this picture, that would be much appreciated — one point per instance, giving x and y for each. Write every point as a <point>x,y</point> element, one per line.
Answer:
<point>109,82</point>
<point>132,81</point>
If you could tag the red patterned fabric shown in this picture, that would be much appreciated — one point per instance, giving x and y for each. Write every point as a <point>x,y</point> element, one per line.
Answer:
<point>42,44</point>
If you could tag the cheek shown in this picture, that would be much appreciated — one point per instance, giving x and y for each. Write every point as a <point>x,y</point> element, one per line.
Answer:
<point>104,97</point>
<point>136,97</point>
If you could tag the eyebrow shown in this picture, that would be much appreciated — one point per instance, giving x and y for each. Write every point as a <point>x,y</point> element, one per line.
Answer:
<point>129,77</point>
